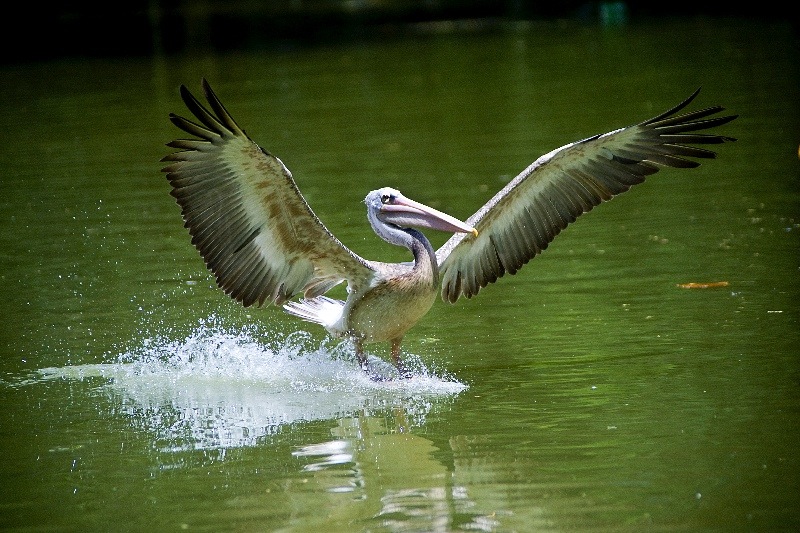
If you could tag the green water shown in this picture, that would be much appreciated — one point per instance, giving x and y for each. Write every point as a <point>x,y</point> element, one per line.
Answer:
<point>588,392</point>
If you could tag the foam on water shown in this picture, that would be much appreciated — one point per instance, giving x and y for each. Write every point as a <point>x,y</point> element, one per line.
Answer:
<point>222,387</point>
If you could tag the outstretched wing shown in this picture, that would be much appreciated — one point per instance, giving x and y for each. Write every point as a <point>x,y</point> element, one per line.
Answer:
<point>247,217</point>
<point>523,218</point>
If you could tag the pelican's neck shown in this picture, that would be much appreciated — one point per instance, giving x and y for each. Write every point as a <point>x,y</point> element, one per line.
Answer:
<point>424,256</point>
<point>414,240</point>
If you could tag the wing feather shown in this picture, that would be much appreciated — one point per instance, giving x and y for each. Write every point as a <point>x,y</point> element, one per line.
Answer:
<point>521,220</point>
<point>246,216</point>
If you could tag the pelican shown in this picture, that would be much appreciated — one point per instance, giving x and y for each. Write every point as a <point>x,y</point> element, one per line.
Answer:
<point>264,244</point>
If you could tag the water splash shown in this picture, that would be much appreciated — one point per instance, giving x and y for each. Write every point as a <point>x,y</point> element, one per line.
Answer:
<point>223,387</point>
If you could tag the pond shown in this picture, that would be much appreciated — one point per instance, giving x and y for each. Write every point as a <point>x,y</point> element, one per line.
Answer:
<point>592,390</point>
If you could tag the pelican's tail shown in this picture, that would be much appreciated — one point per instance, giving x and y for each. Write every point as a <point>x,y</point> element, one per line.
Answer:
<point>321,310</point>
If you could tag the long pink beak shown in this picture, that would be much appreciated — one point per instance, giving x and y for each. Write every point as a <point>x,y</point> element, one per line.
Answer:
<point>405,211</point>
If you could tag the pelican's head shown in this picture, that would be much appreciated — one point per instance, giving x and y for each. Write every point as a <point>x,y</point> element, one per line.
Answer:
<point>389,206</point>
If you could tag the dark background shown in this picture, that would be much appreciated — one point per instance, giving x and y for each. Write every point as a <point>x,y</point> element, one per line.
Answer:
<point>38,31</point>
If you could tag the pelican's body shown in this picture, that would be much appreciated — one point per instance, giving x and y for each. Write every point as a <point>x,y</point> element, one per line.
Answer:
<point>397,298</point>
<point>263,242</point>
<point>394,296</point>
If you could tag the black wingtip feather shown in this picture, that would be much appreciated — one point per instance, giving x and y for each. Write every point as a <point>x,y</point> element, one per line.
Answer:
<point>674,109</point>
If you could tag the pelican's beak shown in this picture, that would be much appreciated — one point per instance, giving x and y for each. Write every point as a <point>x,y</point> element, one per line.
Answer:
<point>406,212</point>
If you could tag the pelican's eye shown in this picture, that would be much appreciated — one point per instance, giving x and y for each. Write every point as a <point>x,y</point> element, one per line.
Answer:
<point>387,198</point>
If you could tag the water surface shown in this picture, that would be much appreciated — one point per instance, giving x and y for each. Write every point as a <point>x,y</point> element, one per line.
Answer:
<point>589,391</point>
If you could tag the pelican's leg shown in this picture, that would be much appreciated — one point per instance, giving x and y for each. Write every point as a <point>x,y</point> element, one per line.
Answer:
<point>396,358</point>
<point>362,359</point>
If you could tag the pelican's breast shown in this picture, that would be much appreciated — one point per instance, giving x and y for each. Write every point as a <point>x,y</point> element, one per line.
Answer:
<point>392,305</point>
